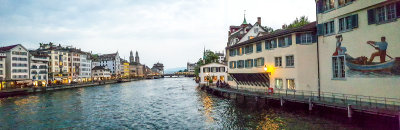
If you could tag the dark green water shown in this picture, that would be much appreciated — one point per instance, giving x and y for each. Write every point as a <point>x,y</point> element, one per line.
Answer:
<point>174,103</point>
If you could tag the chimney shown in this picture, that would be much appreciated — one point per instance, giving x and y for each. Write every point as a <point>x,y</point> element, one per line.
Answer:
<point>259,20</point>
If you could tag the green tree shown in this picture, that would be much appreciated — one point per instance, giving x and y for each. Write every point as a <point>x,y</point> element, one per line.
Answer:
<point>268,29</point>
<point>303,20</point>
<point>209,57</point>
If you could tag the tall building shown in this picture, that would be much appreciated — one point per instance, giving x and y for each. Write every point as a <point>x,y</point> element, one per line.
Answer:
<point>85,68</point>
<point>284,60</point>
<point>137,58</point>
<point>158,68</point>
<point>131,58</point>
<point>39,62</point>
<point>359,47</point>
<point>16,65</point>
<point>112,62</point>
<point>3,57</point>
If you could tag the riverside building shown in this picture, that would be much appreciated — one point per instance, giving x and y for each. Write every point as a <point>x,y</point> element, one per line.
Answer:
<point>212,72</point>
<point>16,66</point>
<point>283,60</point>
<point>359,46</point>
<point>112,62</point>
<point>3,57</point>
<point>39,68</point>
<point>85,68</point>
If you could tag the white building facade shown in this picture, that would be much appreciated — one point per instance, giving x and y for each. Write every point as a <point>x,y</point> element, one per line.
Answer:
<point>112,62</point>
<point>85,68</point>
<point>39,69</point>
<point>213,72</point>
<point>353,65</point>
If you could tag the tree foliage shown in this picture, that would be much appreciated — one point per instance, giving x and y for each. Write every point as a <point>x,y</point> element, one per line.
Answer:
<point>268,29</point>
<point>209,57</point>
<point>303,20</point>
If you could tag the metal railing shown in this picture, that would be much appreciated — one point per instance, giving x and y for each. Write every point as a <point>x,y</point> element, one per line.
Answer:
<point>338,99</point>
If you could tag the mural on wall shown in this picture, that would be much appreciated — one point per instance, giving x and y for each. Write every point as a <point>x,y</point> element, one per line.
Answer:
<point>364,66</point>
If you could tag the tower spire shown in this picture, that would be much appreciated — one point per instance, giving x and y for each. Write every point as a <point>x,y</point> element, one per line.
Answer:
<point>244,20</point>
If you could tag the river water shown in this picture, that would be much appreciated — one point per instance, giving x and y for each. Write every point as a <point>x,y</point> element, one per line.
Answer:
<point>170,103</point>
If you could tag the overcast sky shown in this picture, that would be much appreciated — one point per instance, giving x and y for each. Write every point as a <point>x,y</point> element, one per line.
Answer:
<point>172,32</point>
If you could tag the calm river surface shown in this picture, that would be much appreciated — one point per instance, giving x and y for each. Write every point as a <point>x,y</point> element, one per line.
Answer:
<point>170,103</point>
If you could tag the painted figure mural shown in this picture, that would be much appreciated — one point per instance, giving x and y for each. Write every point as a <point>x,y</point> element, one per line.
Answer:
<point>363,66</point>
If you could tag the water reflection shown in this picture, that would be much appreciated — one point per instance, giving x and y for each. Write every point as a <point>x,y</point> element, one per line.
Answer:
<point>207,103</point>
<point>149,104</point>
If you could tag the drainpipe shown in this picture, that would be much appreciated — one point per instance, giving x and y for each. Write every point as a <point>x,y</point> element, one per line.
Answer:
<point>319,82</point>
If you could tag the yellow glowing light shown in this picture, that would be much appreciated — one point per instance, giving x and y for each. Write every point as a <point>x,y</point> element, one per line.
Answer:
<point>269,68</point>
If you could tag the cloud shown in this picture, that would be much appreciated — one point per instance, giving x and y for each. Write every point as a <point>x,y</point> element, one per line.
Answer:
<point>170,31</point>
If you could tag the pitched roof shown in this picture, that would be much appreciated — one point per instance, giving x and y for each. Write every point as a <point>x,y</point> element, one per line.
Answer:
<point>308,27</point>
<point>7,48</point>
<point>99,68</point>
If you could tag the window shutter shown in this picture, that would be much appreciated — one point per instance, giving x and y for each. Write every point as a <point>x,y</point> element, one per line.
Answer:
<point>255,62</point>
<point>280,42</point>
<point>298,38</point>
<point>320,29</point>
<point>274,45</point>
<point>371,16</point>
<point>314,37</point>
<point>290,40</point>
<point>355,21</point>
<point>252,63</point>
<point>398,9</point>
<point>262,61</point>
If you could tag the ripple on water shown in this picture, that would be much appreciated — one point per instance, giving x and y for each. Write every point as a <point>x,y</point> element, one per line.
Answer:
<point>173,103</point>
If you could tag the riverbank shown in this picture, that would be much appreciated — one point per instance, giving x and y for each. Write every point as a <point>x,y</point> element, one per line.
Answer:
<point>376,117</point>
<point>26,91</point>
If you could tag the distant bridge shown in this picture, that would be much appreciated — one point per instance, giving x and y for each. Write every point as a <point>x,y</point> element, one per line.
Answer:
<point>177,75</point>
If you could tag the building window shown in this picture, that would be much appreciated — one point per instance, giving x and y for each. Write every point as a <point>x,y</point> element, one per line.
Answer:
<point>328,4</point>
<point>329,28</point>
<point>259,62</point>
<point>232,64</point>
<point>290,61</point>
<point>240,51</point>
<point>222,78</point>
<point>305,38</point>
<point>344,2</point>
<point>384,14</point>
<point>255,30</point>
<point>278,61</point>
<point>258,47</point>
<point>290,84</point>
<point>285,41</point>
<point>270,44</point>
<point>232,52</point>
<point>248,49</point>
<point>248,63</point>
<point>240,64</point>
<point>230,78</point>
<point>348,23</point>
<point>338,66</point>
<point>278,83</point>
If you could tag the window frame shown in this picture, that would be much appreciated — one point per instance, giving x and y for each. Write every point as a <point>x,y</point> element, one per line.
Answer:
<point>339,67</point>
<point>286,59</point>
<point>287,84</point>
<point>276,84</point>
<point>280,61</point>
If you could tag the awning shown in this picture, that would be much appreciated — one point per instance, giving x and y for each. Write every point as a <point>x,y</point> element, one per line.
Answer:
<point>24,81</point>
<point>254,79</point>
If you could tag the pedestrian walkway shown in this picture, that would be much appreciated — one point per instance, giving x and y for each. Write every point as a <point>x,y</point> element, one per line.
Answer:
<point>365,104</point>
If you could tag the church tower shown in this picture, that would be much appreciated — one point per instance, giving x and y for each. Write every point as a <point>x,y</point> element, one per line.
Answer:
<point>131,58</point>
<point>137,58</point>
